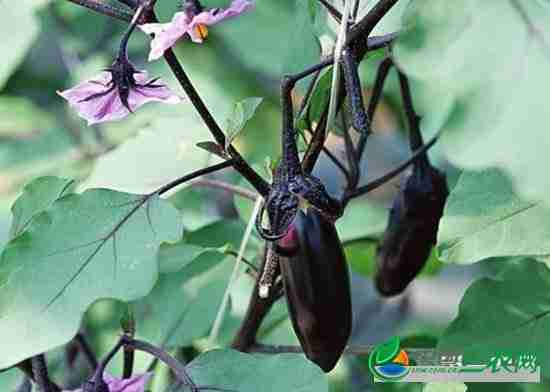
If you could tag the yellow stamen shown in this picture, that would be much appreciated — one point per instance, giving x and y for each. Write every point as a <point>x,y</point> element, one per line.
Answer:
<point>202,31</point>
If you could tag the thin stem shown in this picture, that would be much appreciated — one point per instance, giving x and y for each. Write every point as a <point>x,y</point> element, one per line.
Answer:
<point>25,385</point>
<point>98,375</point>
<point>216,326</point>
<point>195,174</point>
<point>238,161</point>
<point>225,186</point>
<point>40,371</point>
<point>235,254</point>
<point>377,90</point>
<point>171,362</point>
<point>130,3</point>
<point>290,152</point>
<point>104,9</point>
<point>331,10</point>
<point>355,10</point>
<point>415,136</point>
<point>123,49</point>
<point>388,176</point>
<point>381,41</point>
<point>86,350</point>
<point>337,163</point>
<point>317,142</point>
<point>364,27</point>
<point>340,45</point>
<point>290,160</point>
<point>351,156</point>
<point>257,309</point>
<point>25,366</point>
<point>128,362</point>
<point>309,93</point>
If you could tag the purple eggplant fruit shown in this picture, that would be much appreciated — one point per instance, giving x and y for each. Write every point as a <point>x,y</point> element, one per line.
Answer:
<point>412,229</point>
<point>316,283</point>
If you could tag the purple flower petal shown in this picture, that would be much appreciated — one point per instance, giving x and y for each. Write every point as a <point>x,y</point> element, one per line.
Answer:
<point>109,107</point>
<point>135,383</point>
<point>217,15</point>
<point>166,34</point>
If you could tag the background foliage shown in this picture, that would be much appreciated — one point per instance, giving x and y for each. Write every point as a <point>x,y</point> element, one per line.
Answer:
<point>76,257</point>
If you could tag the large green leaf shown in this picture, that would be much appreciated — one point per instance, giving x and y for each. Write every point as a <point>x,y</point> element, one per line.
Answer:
<point>212,238</point>
<point>266,37</point>
<point>508,314</point>
<point>242,112</point>
<point>183,305</point>
<point>233,370</point>
<point>36,197</point>
<point>157,155</point>
<point>498,77</point>
<point>99,244</point>
<point>484,218</point>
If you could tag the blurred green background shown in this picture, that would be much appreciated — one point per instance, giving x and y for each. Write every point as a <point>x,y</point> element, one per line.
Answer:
<point>52,45</point>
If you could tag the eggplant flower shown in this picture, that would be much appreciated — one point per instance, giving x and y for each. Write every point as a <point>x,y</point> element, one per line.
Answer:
<point>190,23</point>
<point>116,92</point>
<point>135,383</point>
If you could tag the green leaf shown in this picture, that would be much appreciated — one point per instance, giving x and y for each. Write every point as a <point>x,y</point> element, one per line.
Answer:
<point>444,387</point>
<point>233,370</point>
<point>165,151</point>
<point>498,80</point>
<point>197,206</point>
<point>35,198</point>
<point>508,314</point>
<point>18,22</point>
<point>99,244</point>
<point>242,112</point>
<point>484,218</point>
<point>318,100</point>
<point>174,257</point>
<point>362,219</point>
<point>183,305</point>
<point>307,46</point>
<point>213,239</point>
<point>273,23</point>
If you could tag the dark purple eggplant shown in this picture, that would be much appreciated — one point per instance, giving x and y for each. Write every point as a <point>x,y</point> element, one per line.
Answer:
<point>412,229</point>
<point>316,283</point>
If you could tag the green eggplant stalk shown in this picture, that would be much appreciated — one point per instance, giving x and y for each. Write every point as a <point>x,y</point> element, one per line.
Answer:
<point>412,229</point>
<point>316,282</point>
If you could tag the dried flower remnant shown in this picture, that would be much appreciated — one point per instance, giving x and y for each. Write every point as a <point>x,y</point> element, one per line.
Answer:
<point>190,23</point>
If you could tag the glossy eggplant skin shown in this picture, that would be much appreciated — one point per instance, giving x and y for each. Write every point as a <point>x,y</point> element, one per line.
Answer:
<point>317,290</point>
<point>412,229</point>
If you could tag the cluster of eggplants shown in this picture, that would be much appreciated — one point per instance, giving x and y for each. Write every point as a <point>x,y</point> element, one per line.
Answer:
<point>317,289</point>
<point>412,228</point>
